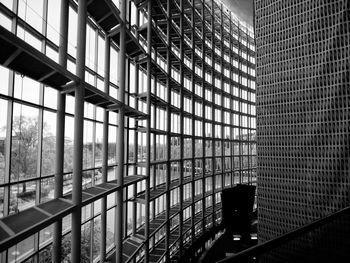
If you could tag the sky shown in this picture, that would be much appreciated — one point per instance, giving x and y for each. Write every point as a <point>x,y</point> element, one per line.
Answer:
<point>242,8</point>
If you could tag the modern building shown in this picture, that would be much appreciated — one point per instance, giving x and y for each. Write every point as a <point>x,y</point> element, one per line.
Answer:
<point>120,124</point>
<point>303,116</point>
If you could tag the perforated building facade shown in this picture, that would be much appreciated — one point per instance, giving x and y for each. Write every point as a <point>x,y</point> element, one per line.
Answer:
<point>303,105</point>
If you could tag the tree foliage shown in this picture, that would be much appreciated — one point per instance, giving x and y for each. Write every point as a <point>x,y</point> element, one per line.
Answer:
<point>88,235</point>
<point>24,149</point>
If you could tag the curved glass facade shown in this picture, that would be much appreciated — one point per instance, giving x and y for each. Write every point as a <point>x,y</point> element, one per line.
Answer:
<point>120,124</point>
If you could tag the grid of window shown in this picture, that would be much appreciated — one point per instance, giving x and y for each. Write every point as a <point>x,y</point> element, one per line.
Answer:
<point>303,105</point>
<point>120,124</point>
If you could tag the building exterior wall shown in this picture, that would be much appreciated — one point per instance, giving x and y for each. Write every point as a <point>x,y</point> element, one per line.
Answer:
<point>303,112</point>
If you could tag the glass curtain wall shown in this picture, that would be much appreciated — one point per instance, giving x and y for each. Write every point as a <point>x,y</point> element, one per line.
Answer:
<point>184,104</point>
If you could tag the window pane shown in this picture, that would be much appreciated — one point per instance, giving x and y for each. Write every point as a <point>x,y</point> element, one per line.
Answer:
<point>87,148</point>
<point>19,251</point>
<point>90,47</point>
<point>25,135</point>
<point>72,32</point>
<point>110,229</point>
<point>66,248</point>
<point>31,11</point>
<point>26,89</point>
<point>53,20</point>
<point>68,144</point>
<point>101,56</point>
<point>112,145</point>
<point>7,3</point>
<point>51,53</point>
<point>96,238</point>
<point>22,196</point>
<point>4,76</point>
<point>48,143</point>
<point>98,144</point>
<point>45,235</point>
<point>5,21</point>
<point>45,254</point>
<point>50,98</point>
<point>85,242</point>
<point>2,201</point>
<point>47,189</point>
<point>3,119</point>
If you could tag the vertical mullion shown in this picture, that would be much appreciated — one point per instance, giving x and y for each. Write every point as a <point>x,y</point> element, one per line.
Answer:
<point>41,111</point>
<point>126,147</point>
<point>39,158</point>
<point>40,127</point>
<point>168,130</point>
<point>154,136</point>
<point>240,104</point>
<point>193,126</point>
<point>94,109</point>
<point>214,140</point>
<point>204,115</point>
<point>222,176</point>
<point>105,151</point>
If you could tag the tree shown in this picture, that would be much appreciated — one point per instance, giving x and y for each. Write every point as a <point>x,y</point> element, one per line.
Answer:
<point>68,155</point>
<point>88,235</point>
<point>198,148</point>
<point>48,154</point>
<point>24,150</point>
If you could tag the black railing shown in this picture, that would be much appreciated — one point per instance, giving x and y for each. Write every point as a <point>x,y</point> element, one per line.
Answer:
<point>324,240</point>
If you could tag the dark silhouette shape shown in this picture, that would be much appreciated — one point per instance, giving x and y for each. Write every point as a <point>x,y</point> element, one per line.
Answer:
<point>237,210</point>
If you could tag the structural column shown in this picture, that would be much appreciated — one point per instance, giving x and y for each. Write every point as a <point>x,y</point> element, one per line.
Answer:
<point>60,127</point>
<point>105,152</point>
<point>120,139</point>
<point>148,132</point>
<point>78,132</point>
<point>204,114</point>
